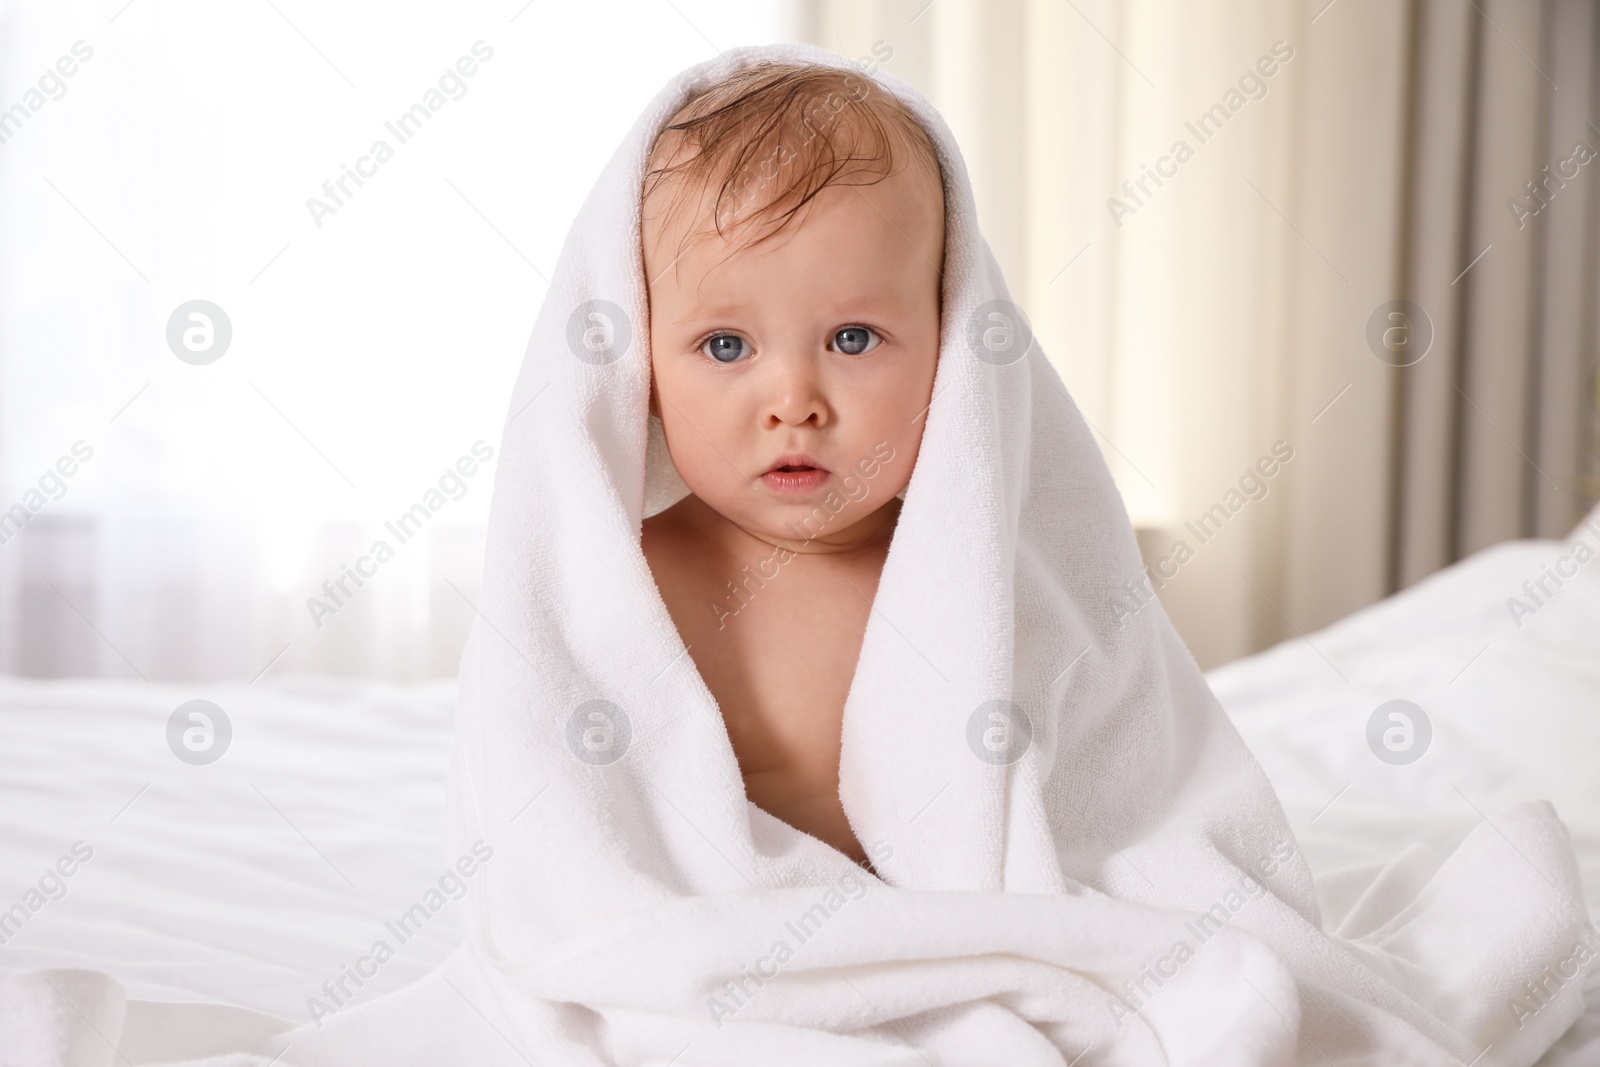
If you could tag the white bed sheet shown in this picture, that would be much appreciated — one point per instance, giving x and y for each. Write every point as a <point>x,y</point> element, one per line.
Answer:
<point>254,880</point>
<point>249,881</point>
<point>1515,714</point>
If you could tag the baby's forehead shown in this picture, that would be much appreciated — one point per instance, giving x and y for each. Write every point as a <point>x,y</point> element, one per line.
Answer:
<point>850,250</point>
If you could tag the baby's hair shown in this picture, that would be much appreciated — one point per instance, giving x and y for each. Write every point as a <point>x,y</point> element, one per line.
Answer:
<point>776,135</point>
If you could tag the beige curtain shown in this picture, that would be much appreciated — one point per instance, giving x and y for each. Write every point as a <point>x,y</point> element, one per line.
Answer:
<point>1495,437</point>
<point>1207,210</point>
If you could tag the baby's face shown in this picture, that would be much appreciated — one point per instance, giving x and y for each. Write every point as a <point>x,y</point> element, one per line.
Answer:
<point>821,340</point>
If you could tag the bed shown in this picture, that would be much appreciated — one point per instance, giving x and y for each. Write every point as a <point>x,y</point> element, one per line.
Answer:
<point>255,879</point>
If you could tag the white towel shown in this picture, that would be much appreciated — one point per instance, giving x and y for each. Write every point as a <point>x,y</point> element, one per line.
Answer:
<point>1109,880</point>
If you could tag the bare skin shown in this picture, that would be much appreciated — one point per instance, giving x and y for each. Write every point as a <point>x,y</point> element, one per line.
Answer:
<point>822,340</point>
<point>782,708</point>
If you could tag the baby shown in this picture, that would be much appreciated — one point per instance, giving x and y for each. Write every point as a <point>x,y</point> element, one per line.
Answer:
<point>793,237</point>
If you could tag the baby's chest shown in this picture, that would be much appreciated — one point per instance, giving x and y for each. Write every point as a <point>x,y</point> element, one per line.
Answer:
<point>779,660</point>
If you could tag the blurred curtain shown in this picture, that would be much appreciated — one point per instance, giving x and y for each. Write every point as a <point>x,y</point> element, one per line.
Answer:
<point>1496,439</point>
<point>1208,304</point>
<point>162,519</point>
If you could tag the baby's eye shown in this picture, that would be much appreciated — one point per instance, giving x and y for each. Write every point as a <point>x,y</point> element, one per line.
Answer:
<point>854,340</point>
<point>724,347</point>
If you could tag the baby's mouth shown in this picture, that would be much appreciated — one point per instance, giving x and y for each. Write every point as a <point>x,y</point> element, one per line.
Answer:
<point>794,474</point>
<point>796,463</point>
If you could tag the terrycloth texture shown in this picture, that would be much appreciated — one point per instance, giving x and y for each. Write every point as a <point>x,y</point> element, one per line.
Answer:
<point>1124,891</point>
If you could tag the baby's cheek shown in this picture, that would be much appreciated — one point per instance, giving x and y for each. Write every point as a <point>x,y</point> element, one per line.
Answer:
<point>883,468</point>
<point>854,486</point>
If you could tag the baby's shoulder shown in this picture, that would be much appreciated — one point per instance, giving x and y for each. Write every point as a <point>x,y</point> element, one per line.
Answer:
<point>672,547</point>
<point>663,532</point>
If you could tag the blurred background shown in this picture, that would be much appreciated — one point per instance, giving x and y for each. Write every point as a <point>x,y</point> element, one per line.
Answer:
<point>1360,235</point>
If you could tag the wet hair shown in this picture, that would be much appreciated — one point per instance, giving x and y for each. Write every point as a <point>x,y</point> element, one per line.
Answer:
<point>775,135</point>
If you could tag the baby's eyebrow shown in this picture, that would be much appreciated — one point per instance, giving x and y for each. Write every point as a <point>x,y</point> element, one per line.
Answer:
<point>709,312</point>
<point>732,313</point>
<point>866,309</point>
